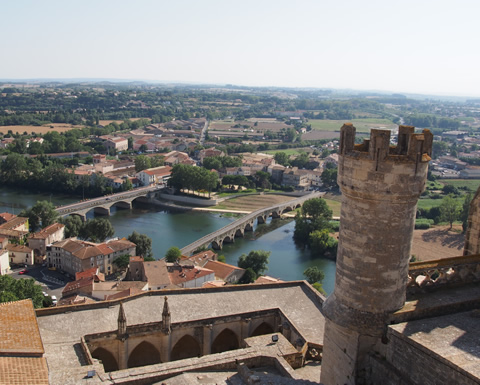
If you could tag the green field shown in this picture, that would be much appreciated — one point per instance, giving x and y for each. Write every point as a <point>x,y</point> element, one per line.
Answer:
<point>471,184</point>
<point>335,206</point>
<point>362,125</point>
<point>288,151</point>
<point>428,203</point>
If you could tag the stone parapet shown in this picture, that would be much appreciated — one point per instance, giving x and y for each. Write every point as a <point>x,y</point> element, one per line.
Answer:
<point>427,276</point>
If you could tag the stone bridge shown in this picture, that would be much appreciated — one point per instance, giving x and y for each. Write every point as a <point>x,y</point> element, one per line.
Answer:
<point>227,234</point>
<point>103,204</point>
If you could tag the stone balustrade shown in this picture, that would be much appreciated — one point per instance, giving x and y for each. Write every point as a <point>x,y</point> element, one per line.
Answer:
<point>425,276</point>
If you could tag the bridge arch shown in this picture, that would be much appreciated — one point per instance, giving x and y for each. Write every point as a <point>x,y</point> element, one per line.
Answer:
<point>226,340</point>
<point>239,233</point>
<point>230,238</point>
<point>186,347</point>
<point>121,204</point>
<point>108,359</point>
<point>143,354</point>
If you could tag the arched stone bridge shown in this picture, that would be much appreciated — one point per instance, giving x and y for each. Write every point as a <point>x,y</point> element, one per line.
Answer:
<point>103,204</point>
<point>227,234</point>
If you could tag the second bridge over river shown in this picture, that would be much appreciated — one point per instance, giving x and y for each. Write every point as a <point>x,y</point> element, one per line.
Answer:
<point>227,234</point>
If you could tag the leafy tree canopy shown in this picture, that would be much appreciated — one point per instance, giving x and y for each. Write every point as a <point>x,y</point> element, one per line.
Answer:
<point>97,230</point>
<point>449,209</point>
<point>257,260</point>
<point>248,277</point>
<point>329,178</point>
<point>12,289</point>
<point>40,215</point>
<point>144,245</point>
<point>122,261</point>
<point>73,225</point>
<point>281,158</point>
<point>313,274</point>
<point>173,254</point>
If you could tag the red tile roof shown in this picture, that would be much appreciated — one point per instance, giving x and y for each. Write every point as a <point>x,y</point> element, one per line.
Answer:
<point>14,223</point>
<point>49,230</point>
<point>72,287</point>
<point>23,370</point>
<point>19,332</point>
<point>177,277</point>
<point>5,217</point>
<point>267,279</point>
<point>222,270</point>
<point>18,248</point>
<point>159,171</point>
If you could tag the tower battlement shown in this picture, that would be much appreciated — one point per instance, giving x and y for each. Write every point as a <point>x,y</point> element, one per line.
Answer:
<point>411,147</point>
<point>377,170</point>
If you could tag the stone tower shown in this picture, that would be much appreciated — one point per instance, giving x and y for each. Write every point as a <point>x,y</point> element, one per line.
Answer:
<point>380,184</point>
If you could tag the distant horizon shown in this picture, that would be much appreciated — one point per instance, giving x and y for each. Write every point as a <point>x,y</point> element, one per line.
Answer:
<point>186,83</point>
<point>413,47</point>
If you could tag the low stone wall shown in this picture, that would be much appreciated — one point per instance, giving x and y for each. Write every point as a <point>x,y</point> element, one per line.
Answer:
<point>314,294</point>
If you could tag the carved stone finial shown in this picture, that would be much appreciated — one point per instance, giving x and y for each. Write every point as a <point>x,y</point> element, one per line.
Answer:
<point>166,318</point>
<point>122,322</point>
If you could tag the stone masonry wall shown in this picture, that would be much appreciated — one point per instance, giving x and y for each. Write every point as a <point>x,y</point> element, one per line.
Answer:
<point>380,184</point>
<point>419,365</point>
<point>472,235</point>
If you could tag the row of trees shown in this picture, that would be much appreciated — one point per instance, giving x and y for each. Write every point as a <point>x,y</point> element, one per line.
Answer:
<point>193,178</point>
<point>12,289</point>
<point>52,175</point>
<point>219,162</point>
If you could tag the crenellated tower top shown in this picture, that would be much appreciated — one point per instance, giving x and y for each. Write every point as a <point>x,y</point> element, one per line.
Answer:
<point>411,147</point>
<point>375,169</point>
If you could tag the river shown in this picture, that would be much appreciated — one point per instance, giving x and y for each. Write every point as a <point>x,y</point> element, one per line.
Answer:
<point>168,229</point>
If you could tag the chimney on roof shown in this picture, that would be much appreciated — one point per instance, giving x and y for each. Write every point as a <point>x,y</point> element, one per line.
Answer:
<point>166,318</point>
<point>122,324</point>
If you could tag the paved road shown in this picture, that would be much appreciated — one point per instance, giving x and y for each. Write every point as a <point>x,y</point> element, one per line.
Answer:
<point>45,278</point>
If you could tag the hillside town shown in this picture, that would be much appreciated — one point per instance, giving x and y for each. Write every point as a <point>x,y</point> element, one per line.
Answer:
<point>289,158</point>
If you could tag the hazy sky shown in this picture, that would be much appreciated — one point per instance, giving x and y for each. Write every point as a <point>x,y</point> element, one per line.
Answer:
<point>406,46</point>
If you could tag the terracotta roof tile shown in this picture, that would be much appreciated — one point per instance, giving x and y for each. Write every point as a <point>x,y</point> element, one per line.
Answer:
<point>87,252</point>
<point>19,332</point>
<point>49,230</point>
<point>187,274</point>
<point>18,248</point>
<point>123,294</point>
<point>105,249</point>
<point>13,223</point>
<point>5,217</point>
<point>120,244</point>
<point>23,371</point>
<point>72,287</point>
<point>222,270</point>
<point>267,279</point>
<point>156,273</point>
